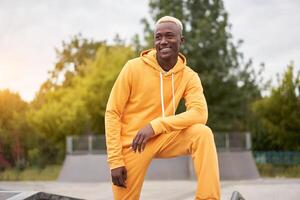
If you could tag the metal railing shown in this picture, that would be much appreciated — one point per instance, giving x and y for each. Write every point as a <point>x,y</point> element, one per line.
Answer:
<point>233,141</point>
<point>89,144</point>
<point>277,157</point>
<point>92,144</point>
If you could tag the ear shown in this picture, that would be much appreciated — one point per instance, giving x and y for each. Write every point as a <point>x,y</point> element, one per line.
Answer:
<point>182,39</point>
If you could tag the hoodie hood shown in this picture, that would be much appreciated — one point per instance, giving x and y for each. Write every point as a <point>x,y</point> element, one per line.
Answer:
<point>149,57</point>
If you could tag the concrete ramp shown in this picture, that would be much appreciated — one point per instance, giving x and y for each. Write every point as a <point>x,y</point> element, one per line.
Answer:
<point>237,165</point>
<point>169,169</point>
<point>94,168</point>
<point>85,168</point>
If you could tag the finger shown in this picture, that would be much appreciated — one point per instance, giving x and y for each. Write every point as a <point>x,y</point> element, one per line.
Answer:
<point>118,182</point>
<point>125,174</point>
<point>115,181</point>
<point>140,143</point>
<point>122,182</point>
<point>144,144</point>
<point>135,142</point>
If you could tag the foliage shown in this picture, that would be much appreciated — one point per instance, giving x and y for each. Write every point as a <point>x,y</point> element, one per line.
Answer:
<point>230,84</point>
<point>269,170</point>
<point>78,108</point>
<point>99,81</point>
<point>276,123</point>
<point>10,105</point>
<point>12,129</point>
<point>71,60</point>
<point>34,134</point>
<point>48,173</point>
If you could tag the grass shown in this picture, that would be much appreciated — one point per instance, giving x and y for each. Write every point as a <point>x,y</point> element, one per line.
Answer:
<point>268,170</point>
<point>50,172</point>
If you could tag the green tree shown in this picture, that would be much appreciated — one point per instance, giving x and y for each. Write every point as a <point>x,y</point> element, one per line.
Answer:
<point>63,113</point>
<point>230,84</point>
<point>12,137</point>
<point>78,108</point>
<point>100,79</point>
<point>276,123</point>
<point>10,105</point>
<point>70,60</point>
<point>136,45</point>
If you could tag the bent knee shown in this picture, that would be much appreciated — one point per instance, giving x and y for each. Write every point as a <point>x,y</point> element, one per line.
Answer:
<point>202,131</point>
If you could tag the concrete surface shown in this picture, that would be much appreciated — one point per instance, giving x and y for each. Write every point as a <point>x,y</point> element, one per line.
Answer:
<point>267,189</point>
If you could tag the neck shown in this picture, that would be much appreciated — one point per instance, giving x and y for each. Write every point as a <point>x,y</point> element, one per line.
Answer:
<point>166,65</point>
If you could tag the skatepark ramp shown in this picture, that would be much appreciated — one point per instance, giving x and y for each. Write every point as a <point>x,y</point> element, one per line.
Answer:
<point>94,168</point>
<point>85,168</point>
<point>236,161</point>
<point>32,195</point>
<point>237,165</point>
<point>86,161</point>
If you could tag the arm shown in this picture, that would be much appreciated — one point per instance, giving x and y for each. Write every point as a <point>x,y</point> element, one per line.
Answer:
<point>196,110</point>
<point>196,113</point>
<point>115,106</point>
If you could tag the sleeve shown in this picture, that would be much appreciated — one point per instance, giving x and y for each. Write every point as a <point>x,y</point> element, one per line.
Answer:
<point>115,106</point>
<point>196,110</point>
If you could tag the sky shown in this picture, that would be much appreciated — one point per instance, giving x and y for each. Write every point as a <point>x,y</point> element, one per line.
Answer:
<point>31,30</point>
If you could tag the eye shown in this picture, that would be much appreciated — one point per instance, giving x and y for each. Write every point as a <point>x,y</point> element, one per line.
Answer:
<point>170,35</point>
<point>157,37</point>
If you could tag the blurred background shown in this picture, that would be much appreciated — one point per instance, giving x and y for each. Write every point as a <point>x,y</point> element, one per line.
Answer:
<point>59,60</point>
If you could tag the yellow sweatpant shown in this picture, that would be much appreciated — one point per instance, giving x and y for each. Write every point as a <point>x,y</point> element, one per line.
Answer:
<point>196,140</point>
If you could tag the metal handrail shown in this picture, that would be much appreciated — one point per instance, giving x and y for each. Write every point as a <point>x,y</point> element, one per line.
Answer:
<point>91,144</point>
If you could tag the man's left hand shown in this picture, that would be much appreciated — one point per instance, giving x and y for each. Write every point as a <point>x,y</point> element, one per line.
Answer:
<point>142,137</point>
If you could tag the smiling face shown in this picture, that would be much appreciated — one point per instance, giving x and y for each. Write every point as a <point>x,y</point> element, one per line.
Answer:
<point>167,40</point>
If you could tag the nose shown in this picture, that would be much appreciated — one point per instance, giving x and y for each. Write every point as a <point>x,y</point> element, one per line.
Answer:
<point>164,40</point>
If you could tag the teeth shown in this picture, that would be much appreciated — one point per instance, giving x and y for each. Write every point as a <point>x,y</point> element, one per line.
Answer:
<point>165,49</point>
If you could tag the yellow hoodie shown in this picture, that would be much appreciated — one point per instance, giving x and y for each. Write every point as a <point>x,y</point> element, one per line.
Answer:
<point>144,93</point>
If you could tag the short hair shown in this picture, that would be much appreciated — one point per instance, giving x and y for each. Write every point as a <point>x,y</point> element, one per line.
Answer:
<point>170,19</point>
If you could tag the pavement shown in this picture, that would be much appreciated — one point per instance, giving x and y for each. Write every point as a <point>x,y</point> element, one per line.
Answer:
<point>267,189</point>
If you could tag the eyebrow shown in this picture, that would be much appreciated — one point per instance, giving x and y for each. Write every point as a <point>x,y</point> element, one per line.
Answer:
<point>168,32</point>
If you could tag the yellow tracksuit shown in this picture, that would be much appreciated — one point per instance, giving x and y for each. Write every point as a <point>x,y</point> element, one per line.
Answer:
<point>143,93</point>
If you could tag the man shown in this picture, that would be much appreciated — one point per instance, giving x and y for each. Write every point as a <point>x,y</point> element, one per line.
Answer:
<point>140,118</point>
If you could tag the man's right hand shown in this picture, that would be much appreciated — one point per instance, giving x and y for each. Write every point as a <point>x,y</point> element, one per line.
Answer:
<point>119,176</point>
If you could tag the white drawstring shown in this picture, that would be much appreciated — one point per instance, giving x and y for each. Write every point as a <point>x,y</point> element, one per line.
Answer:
<point>162,95</point>
<point>173,93</point>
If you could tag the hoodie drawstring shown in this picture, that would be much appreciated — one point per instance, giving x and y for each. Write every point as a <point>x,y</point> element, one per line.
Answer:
<point>173,94</point>
<point>162,95</point>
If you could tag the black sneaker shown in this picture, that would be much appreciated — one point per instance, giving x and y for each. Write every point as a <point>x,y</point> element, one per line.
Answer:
<point>236,196</point>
